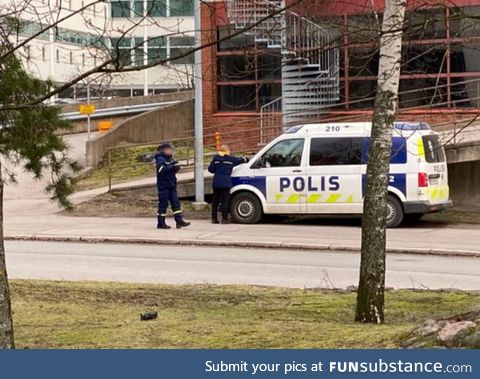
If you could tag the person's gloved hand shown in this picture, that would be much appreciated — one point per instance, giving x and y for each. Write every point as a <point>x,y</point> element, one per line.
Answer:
<point>176,167</point>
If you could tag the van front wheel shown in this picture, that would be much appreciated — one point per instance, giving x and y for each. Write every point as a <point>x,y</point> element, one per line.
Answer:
<point>246,208</point>
<point>394,212</point>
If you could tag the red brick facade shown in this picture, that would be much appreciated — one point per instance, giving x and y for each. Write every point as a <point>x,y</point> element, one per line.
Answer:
<point>242,129</point>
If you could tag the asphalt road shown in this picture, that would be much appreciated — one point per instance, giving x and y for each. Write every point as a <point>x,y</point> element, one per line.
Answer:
<point>189,264</point>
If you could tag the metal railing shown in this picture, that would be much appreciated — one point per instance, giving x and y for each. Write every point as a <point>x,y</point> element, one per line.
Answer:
<point>271,123</point>
<point>118,111</point>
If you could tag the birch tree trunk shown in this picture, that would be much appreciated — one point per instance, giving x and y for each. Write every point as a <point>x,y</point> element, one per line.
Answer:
<point>371,288</point>
<point>6,322</point>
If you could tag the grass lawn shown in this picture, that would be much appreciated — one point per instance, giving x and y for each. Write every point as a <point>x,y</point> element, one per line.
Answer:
<point>106,315</point>
<point>126,167</point>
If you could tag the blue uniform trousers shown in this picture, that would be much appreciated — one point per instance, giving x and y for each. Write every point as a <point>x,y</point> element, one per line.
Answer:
<point>166,196</point>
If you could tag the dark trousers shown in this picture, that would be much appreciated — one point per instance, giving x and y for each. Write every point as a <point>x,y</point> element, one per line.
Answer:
<point>221,195</point>
<point>166,196</point>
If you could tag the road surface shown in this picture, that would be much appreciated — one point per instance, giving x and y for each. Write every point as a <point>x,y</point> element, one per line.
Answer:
<point>185,265</point>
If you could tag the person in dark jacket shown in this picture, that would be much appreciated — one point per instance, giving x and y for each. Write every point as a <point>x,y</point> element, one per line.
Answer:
<point>221,167</point>
<point>167,169</point>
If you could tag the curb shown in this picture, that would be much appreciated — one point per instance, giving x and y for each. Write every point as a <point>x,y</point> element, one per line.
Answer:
<point>243,244</point>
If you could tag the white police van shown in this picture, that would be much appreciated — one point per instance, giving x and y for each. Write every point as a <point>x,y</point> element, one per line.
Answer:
<point>321,169</point>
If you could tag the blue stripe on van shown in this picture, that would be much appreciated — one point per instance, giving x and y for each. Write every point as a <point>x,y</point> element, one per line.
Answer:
<point>398,181</point>
<point>399,150</point>
<point>259,182</point>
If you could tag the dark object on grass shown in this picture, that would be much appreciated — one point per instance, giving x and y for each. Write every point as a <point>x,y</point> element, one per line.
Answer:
<point>150,315</point>
<point>149,157</point>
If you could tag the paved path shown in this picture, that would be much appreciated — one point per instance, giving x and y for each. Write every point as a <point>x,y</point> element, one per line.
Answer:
<point>186,265</point>
<point>142,230</point>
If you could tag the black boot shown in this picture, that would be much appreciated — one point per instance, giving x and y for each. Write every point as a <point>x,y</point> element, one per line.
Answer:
<point>182,224</point>
<point>161,224</point>
<point>215,221</point>
<point>225,220</point>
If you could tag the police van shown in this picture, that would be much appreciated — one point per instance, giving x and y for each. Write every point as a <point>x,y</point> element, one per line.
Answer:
<point>321,169</point>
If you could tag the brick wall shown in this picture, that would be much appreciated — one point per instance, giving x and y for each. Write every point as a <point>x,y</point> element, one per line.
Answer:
<point>242,130</point>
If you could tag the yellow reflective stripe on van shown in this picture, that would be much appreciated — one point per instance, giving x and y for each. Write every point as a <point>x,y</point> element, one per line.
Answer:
<point>333,198</point>
<point>438,193</point>
<point>420,148</point>
<point>314,198</point>
<point>293,199</point>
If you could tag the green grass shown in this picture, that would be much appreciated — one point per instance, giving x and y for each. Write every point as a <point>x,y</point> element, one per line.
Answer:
<point>106,315</point>
<point>125,166</point>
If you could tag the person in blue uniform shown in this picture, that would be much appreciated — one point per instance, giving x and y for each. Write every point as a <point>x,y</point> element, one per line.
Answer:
<point>167,169</point>
<point>221,167</point>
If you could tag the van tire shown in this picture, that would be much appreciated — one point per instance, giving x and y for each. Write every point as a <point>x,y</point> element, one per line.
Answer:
<point>246,208</point>
<point>395,213</point>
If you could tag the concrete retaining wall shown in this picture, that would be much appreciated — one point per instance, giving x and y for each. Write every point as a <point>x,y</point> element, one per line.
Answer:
<point>463,152</point>
<point>464,181</point>
<point>175,121</point>
<point>81,126</point>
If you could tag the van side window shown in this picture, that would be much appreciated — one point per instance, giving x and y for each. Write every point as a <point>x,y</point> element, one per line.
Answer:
<point>286,153</point>
<point>399,150</point>
<point>335,151</point>
<point>434,152</point>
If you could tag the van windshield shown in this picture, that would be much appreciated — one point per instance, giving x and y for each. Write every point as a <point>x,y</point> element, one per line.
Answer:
<point>434,152</point>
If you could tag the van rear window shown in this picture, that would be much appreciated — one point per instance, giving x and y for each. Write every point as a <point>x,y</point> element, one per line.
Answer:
<point>434,152</point>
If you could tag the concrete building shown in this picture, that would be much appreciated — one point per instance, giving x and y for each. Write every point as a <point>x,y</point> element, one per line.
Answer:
<point>138,30</point>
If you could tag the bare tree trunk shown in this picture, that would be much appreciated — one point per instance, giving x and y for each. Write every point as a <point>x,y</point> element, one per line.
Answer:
<point>371,288</point>
<point>6,322</point>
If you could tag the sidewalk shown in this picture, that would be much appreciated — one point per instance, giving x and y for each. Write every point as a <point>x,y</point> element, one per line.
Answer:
<point>442,241</point>
<point>28,214</point>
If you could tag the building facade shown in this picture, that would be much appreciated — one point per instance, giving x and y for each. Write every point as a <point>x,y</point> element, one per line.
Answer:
<point>318,61</point>
<point>91,31</point>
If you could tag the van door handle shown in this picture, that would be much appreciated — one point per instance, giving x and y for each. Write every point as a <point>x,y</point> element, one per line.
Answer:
<point>297,171</point>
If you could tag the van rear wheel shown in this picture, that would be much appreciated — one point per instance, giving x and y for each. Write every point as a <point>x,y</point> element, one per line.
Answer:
<point>394,212</point>
<point>246,208</point>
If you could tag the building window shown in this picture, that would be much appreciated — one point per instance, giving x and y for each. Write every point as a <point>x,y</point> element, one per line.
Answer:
<point>122,50</point>
<point>440,58</point>
<point>27,51</point>
<point>179,48</point>
<point>120,9</point>
<point>180,8</point>
<point>157,49</point>
<point>157,8</point>
<point>247,79</point>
